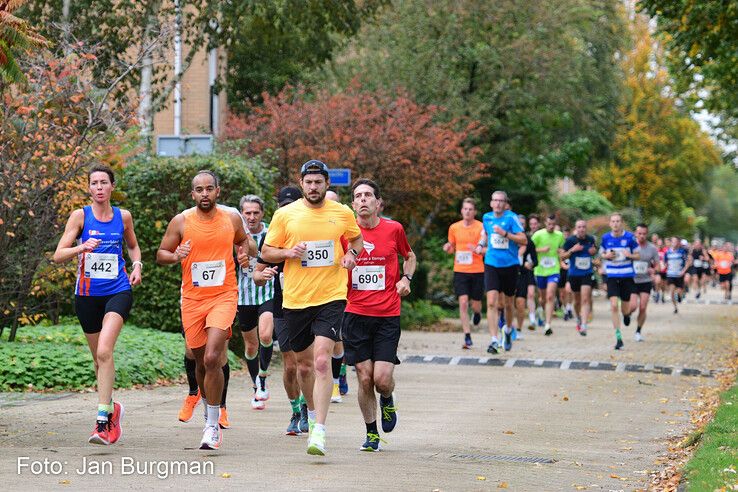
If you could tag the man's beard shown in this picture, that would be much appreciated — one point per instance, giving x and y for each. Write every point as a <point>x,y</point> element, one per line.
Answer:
<point>313,200</point>
<point>206,208</point>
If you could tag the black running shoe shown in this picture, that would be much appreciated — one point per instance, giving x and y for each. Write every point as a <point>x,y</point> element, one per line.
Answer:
<point>477,318</point>
<point>626,319</point>
<point>619,344</point>
<point>389,413</point>
<point>372,442</point>
<point>493,348</point>
<point>548,332</point>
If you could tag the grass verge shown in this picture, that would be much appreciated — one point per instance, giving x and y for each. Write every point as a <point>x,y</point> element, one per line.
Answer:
<point>57,358</point>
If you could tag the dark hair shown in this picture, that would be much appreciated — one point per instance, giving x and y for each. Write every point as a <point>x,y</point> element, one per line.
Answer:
<point>209,173</point>
<point>534,216</point>
<point>101,168</point>
<point>551,217</point>
<point>644,226</point>
<point>368,182</point>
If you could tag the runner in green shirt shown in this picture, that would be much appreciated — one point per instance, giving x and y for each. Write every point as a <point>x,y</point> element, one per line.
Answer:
<point>549,246</point>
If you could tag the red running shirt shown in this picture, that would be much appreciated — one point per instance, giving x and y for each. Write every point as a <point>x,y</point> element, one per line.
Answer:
<point>372,290</point>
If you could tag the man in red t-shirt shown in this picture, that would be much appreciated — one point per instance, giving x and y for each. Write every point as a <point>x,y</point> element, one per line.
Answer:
<point>371,323</point>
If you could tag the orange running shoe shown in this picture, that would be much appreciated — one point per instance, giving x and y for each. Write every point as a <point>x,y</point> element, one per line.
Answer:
<point>188,407</point>
<point>223,419</point>
<point>115,430</point>
<point>100,434</point>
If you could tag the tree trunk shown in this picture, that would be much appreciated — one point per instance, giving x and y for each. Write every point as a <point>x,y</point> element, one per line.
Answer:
<point>145,92</point>
<point>65,25</point>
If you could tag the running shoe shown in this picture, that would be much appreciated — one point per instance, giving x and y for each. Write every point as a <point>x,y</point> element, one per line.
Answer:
<point>507,341</point>
<point>626,319</point>
<point>188,407</point>
<point>579,326</point>
<point>304,425</point>
<point>212,437</point>
<point>583,332</point>
<point>257,404</point>
<point>698,295</point>
<point>679,298</point>
<point>114,428</point>
<point>567,315</point>
<point>676,310</point>
<point>477,318</point>
<point>372,443</point>
<point>389,413</point>
<point>531,325</point>
<point>493,347</point>
<point>100,434</point>
<point>336,396</point>
<point>294,428</point>
<point>343,384</point>
<point>467,341</point>
<point>618,344</point>
<point>223,419</point>
<point>638,337</point>
<point>316,444</point>
<point>518,335</point>
<point>548,332</point>
<point>514,334</point>
<point>262,390</point>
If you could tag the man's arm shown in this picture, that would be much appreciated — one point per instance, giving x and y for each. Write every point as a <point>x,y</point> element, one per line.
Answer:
<point>170,250</point>
<point>357,246</point>
<point>408,268</point>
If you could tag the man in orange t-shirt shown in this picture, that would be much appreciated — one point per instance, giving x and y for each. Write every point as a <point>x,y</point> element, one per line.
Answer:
<point>202,240</point>
<point>463,237</point>
<point>724,263</point>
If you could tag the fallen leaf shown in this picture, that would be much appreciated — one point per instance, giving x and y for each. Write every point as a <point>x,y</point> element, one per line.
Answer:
<point>480,477</point>
<point>612,475</point>
<point>566,398</point>
<point>508,432</point>
<point>664,400</point>
<point>64,482</point>
<point>503,485</point>
<point>226,475</point>
<point>580,487</point>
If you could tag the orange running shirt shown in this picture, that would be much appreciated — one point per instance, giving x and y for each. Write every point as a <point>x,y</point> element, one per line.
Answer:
<point>723,262</point>
<point>209,269</point>
<point>465,240</point>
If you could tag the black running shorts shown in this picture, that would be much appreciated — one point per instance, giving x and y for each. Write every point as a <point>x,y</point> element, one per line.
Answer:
<point>525,278</point>
<point>92,309</point>
<point>503,279</point>
<point>577,282</point>
<point>282,334</point>
<point>677,282</point>
<point>314,321</point>
<point>620,287</point>
<point>248,316</point>
<point>370,338</point>
<point>643,288</point>
<point>469,284</point>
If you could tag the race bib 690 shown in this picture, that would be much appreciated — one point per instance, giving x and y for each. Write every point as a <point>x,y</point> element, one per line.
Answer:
<point>369,277</point>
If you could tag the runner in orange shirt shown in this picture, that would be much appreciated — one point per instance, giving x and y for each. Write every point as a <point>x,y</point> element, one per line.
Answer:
<point>724,263</point>
<point>463,237</point>
<point>202,240</point>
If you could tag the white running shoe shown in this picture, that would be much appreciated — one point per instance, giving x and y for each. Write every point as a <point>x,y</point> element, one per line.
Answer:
<point>261,394</point>
<point>257,404</point>
<point>336,395</point>
<point>638,337</point>
<point>212,437</point>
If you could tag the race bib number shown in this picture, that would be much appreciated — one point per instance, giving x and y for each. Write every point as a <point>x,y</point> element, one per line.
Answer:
<point>674,266</point>
<point>582,262</point>
<point>208,273</point>
<point>640,267</point>
<point>698,263</point>
<point>548,261</point>
<point>318,254</point>
<point>249,270</point>
<point>368,278</point>
<point>101,265</point>
<point>464,257</point>
<point>499,242</point>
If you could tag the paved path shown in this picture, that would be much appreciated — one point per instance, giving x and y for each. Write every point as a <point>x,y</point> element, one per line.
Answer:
<point>462,426</point>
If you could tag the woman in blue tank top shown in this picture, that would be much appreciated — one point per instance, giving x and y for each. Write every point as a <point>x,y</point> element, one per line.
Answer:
<point>103,296</point>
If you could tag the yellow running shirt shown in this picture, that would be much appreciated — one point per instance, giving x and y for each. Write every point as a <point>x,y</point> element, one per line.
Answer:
<point>317,278</point>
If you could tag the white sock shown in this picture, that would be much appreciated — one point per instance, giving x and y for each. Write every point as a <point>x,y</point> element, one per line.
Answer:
<point>570,307</point>
<point>548,326</point>
<point>311,414</point>
<point>335,380</point>
<point>532,317</point>
<point>584,326</point>
<point>205,409</point>
<point>213,415</point>
<point>319,427</point>
<point>506,328</point>
<point>494,339</point>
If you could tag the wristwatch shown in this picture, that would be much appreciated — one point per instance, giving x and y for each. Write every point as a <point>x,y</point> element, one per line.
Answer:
<point>409,277</point>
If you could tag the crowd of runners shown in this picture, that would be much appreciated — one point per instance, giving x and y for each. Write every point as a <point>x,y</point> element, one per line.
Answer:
<point>526,272</point>
<point>325,281</point>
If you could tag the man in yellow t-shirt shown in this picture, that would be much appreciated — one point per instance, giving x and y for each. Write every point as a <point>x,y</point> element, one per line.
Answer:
<point>306,235</point>
<point>463,237</point>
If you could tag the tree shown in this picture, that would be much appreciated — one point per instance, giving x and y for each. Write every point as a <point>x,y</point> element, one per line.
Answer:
<point>701,38</point>
<point>541,78</point>
<point>420,164</point>
<point>661,157</point>
<point>275,43</point>
<point>15,35</point>
<point>49,133</point>
<point>721,209</point>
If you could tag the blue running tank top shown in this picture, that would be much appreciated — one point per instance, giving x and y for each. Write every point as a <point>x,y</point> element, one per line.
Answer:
<point>102,272</point>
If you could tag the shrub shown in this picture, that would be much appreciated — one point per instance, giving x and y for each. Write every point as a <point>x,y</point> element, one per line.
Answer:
<point>585,203</point>
<point>57,357</point>
<point>156,190</point>
<point>420,313</point>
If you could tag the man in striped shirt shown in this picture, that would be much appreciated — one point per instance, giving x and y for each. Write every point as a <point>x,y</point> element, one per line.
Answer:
<point>255,306</point>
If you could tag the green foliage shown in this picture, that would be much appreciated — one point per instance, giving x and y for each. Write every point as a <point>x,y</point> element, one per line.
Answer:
<point>721,209</point>
<point>713,466</point>
<point>274,43</point>
<point>540,76</point>
<point>57,357</point>
<point>420,313</point>
<point>156,190</point>
<point>585,203</point>
<point>440,267</point>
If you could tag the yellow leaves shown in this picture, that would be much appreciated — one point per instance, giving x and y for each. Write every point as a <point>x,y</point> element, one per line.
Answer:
<point>503,485</point>
<point>508,432</point>
<point>481,478</point>
<point>225,475</point>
